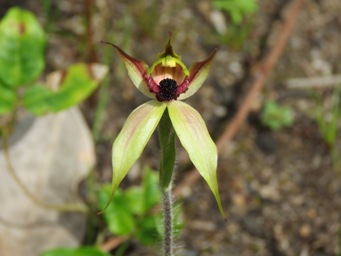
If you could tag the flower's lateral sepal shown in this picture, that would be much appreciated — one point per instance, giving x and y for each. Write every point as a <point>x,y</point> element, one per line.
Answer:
<point>137,71</point>
<point>133,138</point>
<point>194,137</point>
<point>198,73</point>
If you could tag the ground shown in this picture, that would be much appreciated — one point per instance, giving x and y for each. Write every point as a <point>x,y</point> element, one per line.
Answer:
<point>280,189</point>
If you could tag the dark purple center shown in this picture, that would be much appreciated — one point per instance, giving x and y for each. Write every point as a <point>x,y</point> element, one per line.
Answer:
<point>167,90</point>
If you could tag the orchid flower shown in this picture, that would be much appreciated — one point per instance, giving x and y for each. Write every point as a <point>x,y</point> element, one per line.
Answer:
<point>166,82</point>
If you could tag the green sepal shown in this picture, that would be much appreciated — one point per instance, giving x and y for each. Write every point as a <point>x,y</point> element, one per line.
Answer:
<point>8,99</point>
<point>22,45</point>
<point>194,137</point>
<point>168,58</point>
<point>168,153</point>
<point>133,138</point>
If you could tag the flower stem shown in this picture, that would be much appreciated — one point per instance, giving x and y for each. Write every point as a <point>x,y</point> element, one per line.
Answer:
<point>167,162</point>
<point>167,222</point>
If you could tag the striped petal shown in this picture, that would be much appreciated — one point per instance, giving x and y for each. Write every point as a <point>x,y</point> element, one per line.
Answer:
<point>194,137</point>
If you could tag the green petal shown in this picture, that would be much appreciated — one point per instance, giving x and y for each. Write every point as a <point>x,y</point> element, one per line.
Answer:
<point>137,69</point>
<point>197,75</point>
<point>193,135</point>
<point>133,137</point>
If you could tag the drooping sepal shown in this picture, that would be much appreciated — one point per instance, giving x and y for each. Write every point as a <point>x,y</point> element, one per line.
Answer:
<point>194,136</point>
<point>198,73</point>
<point>137,71</point>
<point>133,138</point>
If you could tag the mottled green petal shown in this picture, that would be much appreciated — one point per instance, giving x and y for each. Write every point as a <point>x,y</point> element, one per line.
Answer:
<point>193,135</point>
<point>133,137</point>
<point>197,75</point>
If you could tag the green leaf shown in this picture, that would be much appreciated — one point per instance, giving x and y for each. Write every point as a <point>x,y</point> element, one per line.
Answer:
<point>150,188</point>
<point>22,44</point>
<point>69,88</point>
<point>82,251</point>
<point>147,232</point>
<point>142,199</point>
<point>276,116</point>
<point>167,143</point>
<point>118,216</point>
<point>133,137</point>
<point>237,9</point>
<point>8,99</point>
<point>79,82</point>
<point>134,200</point>
<point>36,99</point>
<point>194,137</point>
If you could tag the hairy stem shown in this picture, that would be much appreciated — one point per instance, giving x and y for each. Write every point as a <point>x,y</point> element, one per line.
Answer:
<point>167,222</point>
<point>167,163</point>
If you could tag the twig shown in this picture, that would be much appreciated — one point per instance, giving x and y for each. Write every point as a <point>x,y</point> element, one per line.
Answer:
<point>313,82</point>
<point>113,243</point>
<point>260,75</point>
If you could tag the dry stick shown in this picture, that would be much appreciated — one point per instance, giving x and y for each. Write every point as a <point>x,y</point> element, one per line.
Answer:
<point>260,75</point>
<point>113,243</point>
<point>314,82</point>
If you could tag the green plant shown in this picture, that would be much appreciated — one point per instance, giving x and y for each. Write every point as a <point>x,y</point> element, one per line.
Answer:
<point>237,9</point>
<point>166,82</point>
<point>130,212</point>
<point>22,60</point>
<point>328,119</point>
<point>276,116</point>
<point>83,251</point>
<point>240,13</point>
<point>133,215</point>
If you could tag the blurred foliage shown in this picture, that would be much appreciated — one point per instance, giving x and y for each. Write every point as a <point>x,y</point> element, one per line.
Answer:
<point>236,9</point>
<point>328,118</point>
<point>83,251</point>
<point>22,46</point>
<point>240,13</point>
<point>133,213</point>
<point>236,35</point>
<point>275,116</point>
